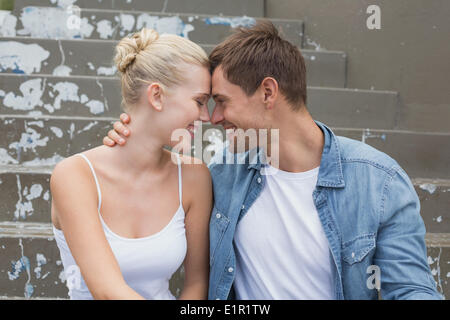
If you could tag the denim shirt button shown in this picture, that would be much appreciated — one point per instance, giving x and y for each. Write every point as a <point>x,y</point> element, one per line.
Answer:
<point>259,180</point>
<point>218,216</point>
<point>230,269</point>
<point>243,207</point>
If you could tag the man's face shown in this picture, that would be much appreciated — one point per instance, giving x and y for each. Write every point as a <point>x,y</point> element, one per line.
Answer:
<point>234,109</point>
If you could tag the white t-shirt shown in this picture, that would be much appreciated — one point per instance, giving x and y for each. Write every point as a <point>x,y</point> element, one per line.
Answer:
<point>281,249</point>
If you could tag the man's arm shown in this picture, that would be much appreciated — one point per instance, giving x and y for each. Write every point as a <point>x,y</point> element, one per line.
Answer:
<point>401,250</point>
<point>120,133</point>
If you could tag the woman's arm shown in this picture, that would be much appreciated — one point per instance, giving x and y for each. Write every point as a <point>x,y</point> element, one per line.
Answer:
<point>74,199</point>
<point>196,263</point>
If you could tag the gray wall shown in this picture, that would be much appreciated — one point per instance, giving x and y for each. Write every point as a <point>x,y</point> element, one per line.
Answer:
<point>410,54</point>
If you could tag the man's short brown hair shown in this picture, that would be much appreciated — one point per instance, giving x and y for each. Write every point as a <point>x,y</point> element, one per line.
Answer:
<point>251,54</point>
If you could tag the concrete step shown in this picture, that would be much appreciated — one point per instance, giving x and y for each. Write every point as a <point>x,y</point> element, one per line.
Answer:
<point>421,154</point>
<point>434,198</point>
<point>100,96</point>
<point>26,197</point>
<point>253,8</point>
<point>31,264</point>
<point>57,23</point>
<point>67,96</point>
<point>25,55</point>
<point>38,141</point>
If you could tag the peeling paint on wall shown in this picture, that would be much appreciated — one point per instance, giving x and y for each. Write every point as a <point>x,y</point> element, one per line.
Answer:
<point>367,134</point>
<point>19,266</point>
<point>171,25</point>
<point>430,187</point>
<point>8,26</point>
<point>64,91</point>
<point>21,58</point>
<point>233,22</point>
<point>51,23</point>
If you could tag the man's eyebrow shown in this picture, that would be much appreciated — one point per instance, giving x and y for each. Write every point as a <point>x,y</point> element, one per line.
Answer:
<point>217,95</point>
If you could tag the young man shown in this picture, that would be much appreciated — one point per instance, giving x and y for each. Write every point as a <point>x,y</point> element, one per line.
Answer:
<point>336,211</point>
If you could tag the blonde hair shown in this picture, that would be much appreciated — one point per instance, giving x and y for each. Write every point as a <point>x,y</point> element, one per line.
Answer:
<point>147,57</point>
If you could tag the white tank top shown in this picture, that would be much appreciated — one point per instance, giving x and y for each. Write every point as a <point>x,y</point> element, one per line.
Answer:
<point>147,263</point>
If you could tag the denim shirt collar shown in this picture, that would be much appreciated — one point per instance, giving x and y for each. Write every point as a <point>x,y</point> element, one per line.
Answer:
<point>330,171</point>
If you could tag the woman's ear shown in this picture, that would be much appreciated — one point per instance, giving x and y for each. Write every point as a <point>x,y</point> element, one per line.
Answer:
<point>154,96</point>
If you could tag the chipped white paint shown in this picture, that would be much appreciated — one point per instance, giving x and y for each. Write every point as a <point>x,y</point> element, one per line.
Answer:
<point>439,219</point>
<point>44,162</point>
<point>5,158</point>
<point>43,22</point>
<point>23,264</point>
<point>102,93</point>
<point>127,22</point>
<point>71,130</point>
<point>21,57</point>
<point>171,25</point>
<point>234,22</point>
<point>35,192</point>
<point>430,187</point>
<point>62,71</point>
<point>30,139</point>
<point>63,3</point>
<point>31,96</point>
<point>87,127</point>
<point>84,98</point>
<point>367,134</point>
<point>91,66</point>
<point>104,71</point>
<point>21,208</point>
<point>40,261</point>
<point>57,131</point>
<point>104,29</point>
<point>67,91</point>
<point>2,93</point>
<point>95,106</point>
<point>40,124</point>
<point>46,195</point>
<point>8,25</point>
<point>314,44</point>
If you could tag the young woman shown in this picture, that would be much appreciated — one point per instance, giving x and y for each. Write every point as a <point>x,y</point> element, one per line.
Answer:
<point>125,219</point>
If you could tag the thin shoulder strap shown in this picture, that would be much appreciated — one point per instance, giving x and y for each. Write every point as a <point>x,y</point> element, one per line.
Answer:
<point>180,181</point>
<point>95,178</point>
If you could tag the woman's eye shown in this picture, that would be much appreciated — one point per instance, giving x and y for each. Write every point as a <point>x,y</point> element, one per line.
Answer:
<point>200,104</point>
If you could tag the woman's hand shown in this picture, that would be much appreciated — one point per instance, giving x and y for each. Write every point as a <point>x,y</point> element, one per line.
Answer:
<point>120,132</point>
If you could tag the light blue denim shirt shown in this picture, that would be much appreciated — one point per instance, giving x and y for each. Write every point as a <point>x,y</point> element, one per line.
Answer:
<point>368,208</point>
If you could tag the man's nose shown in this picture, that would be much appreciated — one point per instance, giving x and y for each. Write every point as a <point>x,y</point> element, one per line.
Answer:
<point>204,114</point>
<point>217,115</point>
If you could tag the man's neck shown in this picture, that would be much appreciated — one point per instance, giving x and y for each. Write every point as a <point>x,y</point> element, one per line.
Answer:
<point>300,142</point>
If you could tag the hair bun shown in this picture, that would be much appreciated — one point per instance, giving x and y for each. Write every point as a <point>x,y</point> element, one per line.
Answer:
<point>129,47</point>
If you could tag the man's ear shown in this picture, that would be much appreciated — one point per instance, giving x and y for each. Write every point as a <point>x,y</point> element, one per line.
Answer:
<point>154,95</point>
<point>269,87</point>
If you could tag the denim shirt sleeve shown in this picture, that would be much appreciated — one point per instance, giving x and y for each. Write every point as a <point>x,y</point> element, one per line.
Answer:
<point>401,250</point>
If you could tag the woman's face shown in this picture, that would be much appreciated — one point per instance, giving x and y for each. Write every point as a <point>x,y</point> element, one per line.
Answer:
<point>187,102</point>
